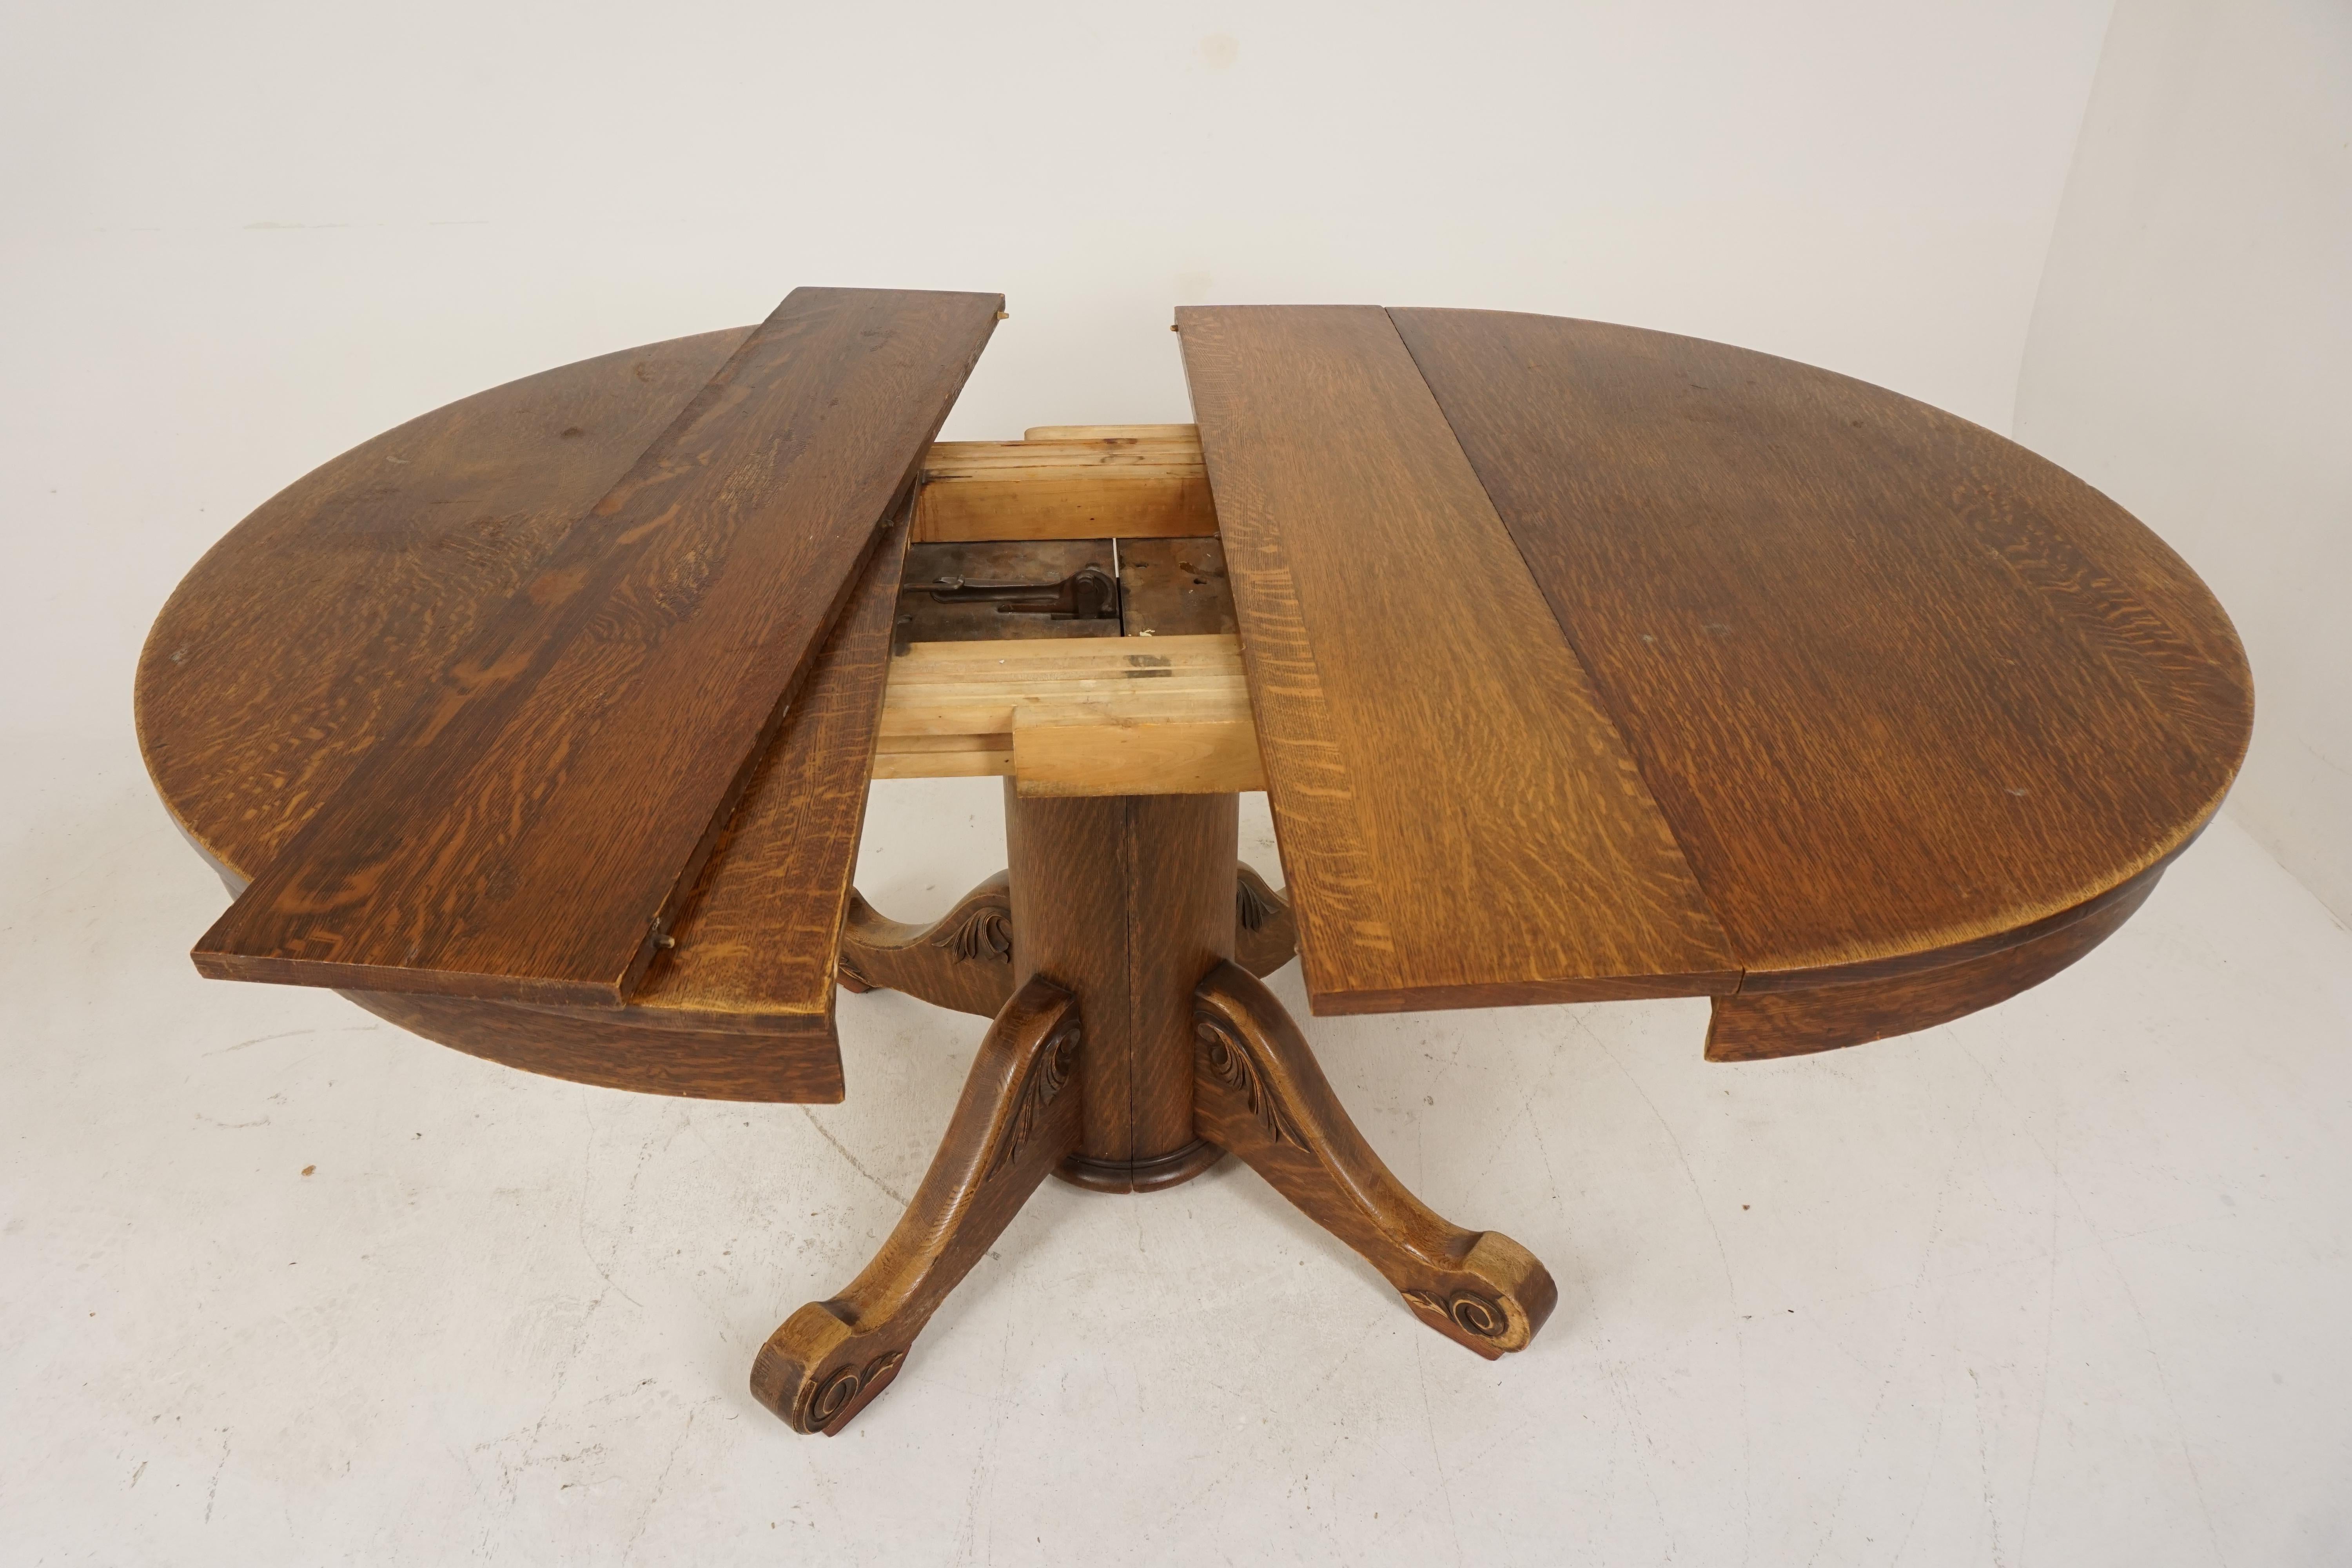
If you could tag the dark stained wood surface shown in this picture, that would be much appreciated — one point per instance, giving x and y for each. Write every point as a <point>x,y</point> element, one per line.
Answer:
<point>289,650</point>
<point>1265,930</point>
<point>528,830</point>
<point>293,648</point>
<point>1259,1092</point>
<point>301,637</point>
<point>961,960</point>
<point>1790,1019</point>
<point>1016,1118</point>
<point>644,1049</point>
<point>1873,660</point>
<point>757,951</point>
<point>1126,902</point>
<point>635,1048</point>
<point>1900,694</point>
<point>1461,823</point>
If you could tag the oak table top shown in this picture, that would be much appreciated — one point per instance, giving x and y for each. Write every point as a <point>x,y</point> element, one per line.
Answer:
<point>1753,678</point>
<point>1584,662</point>
<point>1579,662</point>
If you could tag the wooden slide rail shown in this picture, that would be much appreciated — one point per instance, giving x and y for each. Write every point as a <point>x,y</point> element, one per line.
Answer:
<point>1072,716</point>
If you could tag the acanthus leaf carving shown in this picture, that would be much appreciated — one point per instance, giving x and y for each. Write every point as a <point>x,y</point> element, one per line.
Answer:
<point>1049,1075</point>
<point>1230,1063</point>
<point>982,931</point>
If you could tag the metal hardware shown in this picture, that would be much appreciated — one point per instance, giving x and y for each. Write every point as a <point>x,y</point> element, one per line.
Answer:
<point>1089,593</point>
<point>989,590</point>
<point>983,591</point>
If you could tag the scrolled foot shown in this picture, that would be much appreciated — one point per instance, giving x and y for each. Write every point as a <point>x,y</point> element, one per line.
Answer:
<point>1017,1118</point>
<point>1496,1301</point>
<point>817,1371</point>
<point>1258,1092</point>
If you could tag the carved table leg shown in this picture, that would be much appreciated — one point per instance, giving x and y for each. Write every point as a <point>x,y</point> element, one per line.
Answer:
<point>1259,1094</point>
<point>1017,1118</point>
<point>1266,934</point>
<point>963,960</point>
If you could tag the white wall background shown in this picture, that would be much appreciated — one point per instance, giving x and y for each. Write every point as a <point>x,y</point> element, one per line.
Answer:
<point>238,240</point>
<point>2191,354</point>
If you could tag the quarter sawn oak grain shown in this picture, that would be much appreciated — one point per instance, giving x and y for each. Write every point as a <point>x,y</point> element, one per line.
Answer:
<point>525,833</point>
<point>1460,822</point>
<point>302,636</point>
<point>319,620</point>
<point>756,950</point>
<point>1873,660</point>
<point>1515,643</point>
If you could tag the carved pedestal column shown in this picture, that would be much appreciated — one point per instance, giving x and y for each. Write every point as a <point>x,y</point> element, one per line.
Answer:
<point>1129,1053</point>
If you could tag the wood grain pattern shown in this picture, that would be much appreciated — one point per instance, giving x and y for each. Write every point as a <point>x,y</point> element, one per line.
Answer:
<point>641,1050</point>
<point>634,1048</point>
<point>1087,487</point>
<point>961,960</point>
<point>740,1026</point>
<point>1125,902</point>
<point>1156,756</point>
<point>527,832</point>
<point>1266,930</point>
<point>303,637</point>
<point>1825,1009</point>
<point>1873,668</point>
<point>1094,715</point>
<point>1113,432</point>
<point>755,947</point>
<point>288,651</point>
<point>300,638</point>
<point>1017,1117</point>
<point>1460,822</point>
<point>1259,1093</point>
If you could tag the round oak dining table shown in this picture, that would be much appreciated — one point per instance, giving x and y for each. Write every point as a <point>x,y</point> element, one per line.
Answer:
<point>1580,663</point>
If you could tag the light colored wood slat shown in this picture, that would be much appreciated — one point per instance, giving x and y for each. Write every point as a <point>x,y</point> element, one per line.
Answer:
<point>1461,822</point>
<point>1076,459</point>
<point>1079,716</point>
<point>1113,433</point>
<point>941,688</point>
<point>1209,651</point>
<point>951,745</point>
<point>1031,508</point>
<point>980,764</point>
<point>1121,488</point>
<point>1135,756</point>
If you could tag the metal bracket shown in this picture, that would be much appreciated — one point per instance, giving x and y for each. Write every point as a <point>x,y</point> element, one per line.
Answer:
<point>1089,593</point>
<point>989,591</point>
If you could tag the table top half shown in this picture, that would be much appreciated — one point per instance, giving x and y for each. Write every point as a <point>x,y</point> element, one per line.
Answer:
<point>1582,661</point>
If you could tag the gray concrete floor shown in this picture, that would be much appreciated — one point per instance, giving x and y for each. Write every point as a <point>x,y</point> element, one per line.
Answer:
<point>2062,1283</point>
